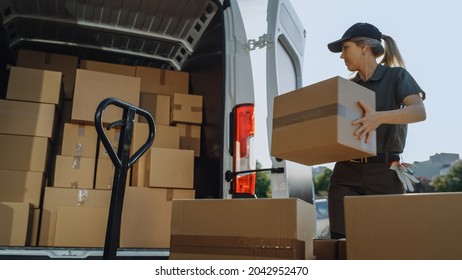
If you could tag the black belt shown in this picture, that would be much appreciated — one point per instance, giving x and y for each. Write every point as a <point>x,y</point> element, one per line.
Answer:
<point>385,157</point>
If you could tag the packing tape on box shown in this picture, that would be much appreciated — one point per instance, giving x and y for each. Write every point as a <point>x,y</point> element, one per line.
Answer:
<point>280,248</point>
<point>316,113</point>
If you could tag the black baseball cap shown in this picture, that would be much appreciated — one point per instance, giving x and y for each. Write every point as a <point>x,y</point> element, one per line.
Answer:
<point>359,29</point>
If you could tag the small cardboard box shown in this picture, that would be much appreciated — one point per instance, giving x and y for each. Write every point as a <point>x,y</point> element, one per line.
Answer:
<point>170,168</point>
<point>56,197</point>
<point>312,125</point>
<point>106,67</point>
<point>186,108</point>
<point>165,137</point>
<point>155,80</point>
<point>27,84</point>
<point>190,138</point>
<point>157,105</point>
<point>146,216</point>
<point>74,172</point>
<point>79,140</point>
<point>15,223</point>
<point>27,153</point>
<point>329,249</point>
<point>242,229</point>
<point>81,226</point>
<point>404,227</point>
<point>66,64</point>
<point>92,87</point>
<point>27,118</point>
<point>22,186</point>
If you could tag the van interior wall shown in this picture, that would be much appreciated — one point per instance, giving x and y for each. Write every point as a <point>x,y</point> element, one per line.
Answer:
<point>206,68</point>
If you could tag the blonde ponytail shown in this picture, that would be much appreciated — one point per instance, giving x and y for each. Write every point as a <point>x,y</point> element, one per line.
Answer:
<point>392,55</point>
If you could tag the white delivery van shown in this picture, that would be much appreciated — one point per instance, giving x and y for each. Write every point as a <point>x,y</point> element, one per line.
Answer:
<point>205,38</point>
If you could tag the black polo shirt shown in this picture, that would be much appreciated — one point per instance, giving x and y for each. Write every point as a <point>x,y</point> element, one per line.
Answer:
<point>391,85</point>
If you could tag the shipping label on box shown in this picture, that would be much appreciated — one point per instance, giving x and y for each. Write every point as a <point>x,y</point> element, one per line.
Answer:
<point>27,118</point>
<point>22,186</point>
<point>27,84</point>
<point>158,81</point>
<point>190,138</point>
<point>146,216</point>
<point>312,125</point>
<point>170,168</point>
<point>92,87</point>
<point>242,229</point>
<point>186,108</point>
<point>66,64</point>
<point>27,153</point>
<point>74,172</point>
<point>79,140</point>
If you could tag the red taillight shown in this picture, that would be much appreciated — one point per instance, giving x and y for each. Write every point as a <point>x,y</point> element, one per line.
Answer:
<point>244,131</point>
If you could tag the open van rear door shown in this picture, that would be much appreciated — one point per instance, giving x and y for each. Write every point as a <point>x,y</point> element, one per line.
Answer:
<point>284,62</point>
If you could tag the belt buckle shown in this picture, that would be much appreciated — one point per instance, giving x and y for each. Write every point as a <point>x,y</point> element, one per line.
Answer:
<point>359,160</point>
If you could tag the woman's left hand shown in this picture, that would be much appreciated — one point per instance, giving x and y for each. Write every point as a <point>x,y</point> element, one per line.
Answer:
<point>367,124</point>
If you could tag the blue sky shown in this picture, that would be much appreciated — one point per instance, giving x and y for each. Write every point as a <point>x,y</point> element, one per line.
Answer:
<point>428,36</point>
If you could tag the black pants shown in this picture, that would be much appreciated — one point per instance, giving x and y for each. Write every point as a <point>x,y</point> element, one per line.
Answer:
<point>352,179</point>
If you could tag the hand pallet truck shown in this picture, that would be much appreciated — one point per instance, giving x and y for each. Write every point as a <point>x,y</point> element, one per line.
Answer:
<point>122,162</point>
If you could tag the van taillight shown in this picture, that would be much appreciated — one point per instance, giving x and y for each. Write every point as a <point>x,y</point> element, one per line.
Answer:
<point>244,131</point>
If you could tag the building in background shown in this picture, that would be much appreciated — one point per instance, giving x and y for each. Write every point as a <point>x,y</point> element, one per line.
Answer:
<point>437,165</point>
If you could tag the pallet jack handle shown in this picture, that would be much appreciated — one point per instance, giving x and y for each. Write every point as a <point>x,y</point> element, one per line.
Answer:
<point>122,162</point>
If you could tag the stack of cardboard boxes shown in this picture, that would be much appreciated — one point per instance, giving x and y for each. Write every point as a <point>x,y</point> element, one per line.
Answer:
<point>54,161</point>
<point>27,129</point>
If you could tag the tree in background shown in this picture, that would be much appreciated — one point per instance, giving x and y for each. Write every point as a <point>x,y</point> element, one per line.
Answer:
<point>263,183</point>
<point>321,183</point>
<point>452,181</point>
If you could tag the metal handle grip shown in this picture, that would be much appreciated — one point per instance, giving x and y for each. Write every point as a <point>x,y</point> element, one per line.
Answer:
<point>127,109</point>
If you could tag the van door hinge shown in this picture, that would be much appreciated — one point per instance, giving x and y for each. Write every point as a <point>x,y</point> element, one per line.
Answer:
<point>262,42</point>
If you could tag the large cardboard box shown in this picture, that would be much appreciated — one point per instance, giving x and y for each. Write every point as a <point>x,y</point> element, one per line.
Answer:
<point>409,226</point>
<point>190,137</point>
<point>165,137</point>
<point>27,84</point>
<point>22,186</point>
<point>27,118</point>
<point>92,87</point>
<point>74,172</point>
<point>155,80</point>
<point>27,153</point>
<point>170,168</point>
<point>186,108</point>
<point>312,125</point>
<point>56,197</point>
<point>242,229</point>
<point>106,67</point>
<point>81,226</point>
<point>157,105</point>
<point>15,223</point>
<point>66,64</point>
<point>146,216</point>
<point>79,140</point>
